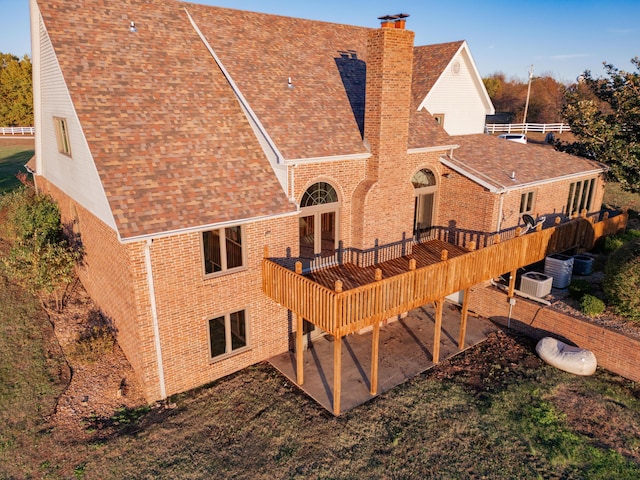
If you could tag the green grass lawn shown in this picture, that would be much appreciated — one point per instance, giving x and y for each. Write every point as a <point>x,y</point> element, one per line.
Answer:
<point>12,160</point>
<point>615,197</point>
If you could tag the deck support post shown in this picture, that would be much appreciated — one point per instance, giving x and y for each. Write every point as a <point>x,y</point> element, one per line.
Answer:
<point>512,283</point>
<point>438,329</point>
<point>299,350</point>
<point>375,347</point>
<point>464,314</point>
<point>337,373</point>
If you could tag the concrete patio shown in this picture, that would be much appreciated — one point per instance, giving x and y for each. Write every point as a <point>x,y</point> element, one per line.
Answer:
<point>406,347</point>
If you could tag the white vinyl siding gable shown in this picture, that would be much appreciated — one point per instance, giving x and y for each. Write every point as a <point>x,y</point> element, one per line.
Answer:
<point>460,96</point>
<point>76,175</point>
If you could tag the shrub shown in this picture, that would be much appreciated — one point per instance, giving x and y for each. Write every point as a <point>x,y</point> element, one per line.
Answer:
<point>591,306</point>
<point>622,280</point>
<point>93,344</point>
<point>41,260</point>
<point>613,243</point>
<point>579,287</point>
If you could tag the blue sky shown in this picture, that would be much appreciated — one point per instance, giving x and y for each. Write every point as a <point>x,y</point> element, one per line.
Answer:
<point>561,38</point>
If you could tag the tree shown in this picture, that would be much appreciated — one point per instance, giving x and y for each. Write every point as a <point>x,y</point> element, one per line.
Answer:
<point>604,114</point>
<point>546,99</point>
<point>16,91</point>
<point>40,259</point>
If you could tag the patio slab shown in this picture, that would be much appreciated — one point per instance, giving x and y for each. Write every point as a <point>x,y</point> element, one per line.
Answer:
<point>406,348</point>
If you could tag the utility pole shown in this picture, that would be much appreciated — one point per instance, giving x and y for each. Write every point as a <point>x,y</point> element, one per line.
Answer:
<point>526,105</point>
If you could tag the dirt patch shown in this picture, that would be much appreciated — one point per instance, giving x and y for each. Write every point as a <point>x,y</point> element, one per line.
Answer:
<point>97,389</point>
<point>11,140</point>
<point>612,424</point>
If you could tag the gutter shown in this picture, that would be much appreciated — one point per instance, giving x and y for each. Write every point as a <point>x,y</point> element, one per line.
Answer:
<point>203,228</point>
<point>451,148</point>
<point>335,158</point>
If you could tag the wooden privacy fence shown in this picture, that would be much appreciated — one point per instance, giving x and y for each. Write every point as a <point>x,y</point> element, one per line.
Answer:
<point>342,312</point>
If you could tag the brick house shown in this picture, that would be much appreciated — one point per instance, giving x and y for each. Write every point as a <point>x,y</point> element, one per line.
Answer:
<point>180,140</point>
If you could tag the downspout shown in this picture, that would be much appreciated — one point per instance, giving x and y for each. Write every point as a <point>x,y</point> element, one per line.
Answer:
<point>154,318</point>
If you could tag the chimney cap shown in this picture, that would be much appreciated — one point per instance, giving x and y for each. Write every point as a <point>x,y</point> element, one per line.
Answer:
<point>388,17</point>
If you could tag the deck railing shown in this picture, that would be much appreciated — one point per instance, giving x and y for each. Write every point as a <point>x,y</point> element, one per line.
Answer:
<point>343,312</point>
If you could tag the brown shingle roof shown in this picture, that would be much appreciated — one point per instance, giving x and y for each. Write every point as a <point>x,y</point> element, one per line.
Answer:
<point>172,147</point>
<point>494,160</point>
<point>261,52</point>
<point>323,114</point>
<point>429,62</point>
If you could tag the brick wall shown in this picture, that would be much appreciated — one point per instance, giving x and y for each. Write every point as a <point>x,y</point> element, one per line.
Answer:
<point>550,200</point>
<point>615,352</point>
<point>186,300</point>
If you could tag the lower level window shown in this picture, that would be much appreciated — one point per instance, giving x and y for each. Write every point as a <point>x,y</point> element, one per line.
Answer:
<point>227,333</point>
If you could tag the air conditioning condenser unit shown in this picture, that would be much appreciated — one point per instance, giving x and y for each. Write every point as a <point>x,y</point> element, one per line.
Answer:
<point>536,284</point>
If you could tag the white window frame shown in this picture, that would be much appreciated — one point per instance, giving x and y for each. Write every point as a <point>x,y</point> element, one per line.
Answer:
<point>61,127</point>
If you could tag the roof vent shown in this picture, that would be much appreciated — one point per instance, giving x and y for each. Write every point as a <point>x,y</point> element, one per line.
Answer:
<point>132,27</point>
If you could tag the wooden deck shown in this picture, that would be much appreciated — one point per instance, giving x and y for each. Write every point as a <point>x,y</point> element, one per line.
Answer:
<point>352,276</point>
<point>345,299</point>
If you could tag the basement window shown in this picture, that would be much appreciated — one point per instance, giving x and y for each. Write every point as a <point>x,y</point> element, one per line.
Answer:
<point>223,250</point>
<point>62,135</point>
<point>228,334</point>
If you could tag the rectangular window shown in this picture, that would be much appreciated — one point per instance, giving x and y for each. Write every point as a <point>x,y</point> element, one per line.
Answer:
<point>222,249</point>
<point>62,135</point>
<point>228,334</point>
<point>526,203</point>
<point>580,196</point>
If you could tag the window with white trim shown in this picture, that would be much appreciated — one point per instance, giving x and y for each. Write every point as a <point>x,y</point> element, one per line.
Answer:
<point>62,135</point>
<point>223,250</point>
<point>580,196</point>
<point>228,334</point>
<point>526,203</point>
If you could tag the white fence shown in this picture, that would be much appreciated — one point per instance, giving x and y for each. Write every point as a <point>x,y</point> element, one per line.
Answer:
<point>527,127</point>
<point>17,130</point>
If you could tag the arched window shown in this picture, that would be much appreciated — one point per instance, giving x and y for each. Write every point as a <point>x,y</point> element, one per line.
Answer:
<point>423,178</point>
<point>319,194</point>
<point>318,224</point>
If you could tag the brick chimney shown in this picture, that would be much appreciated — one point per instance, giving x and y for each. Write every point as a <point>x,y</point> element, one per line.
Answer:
<point>388,91</point>
<point>385,199</point>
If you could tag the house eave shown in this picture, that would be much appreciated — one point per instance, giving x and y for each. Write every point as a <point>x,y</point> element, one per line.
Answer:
<point>203,228</point>
<point>333,158</point>
<point>432,149</point>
